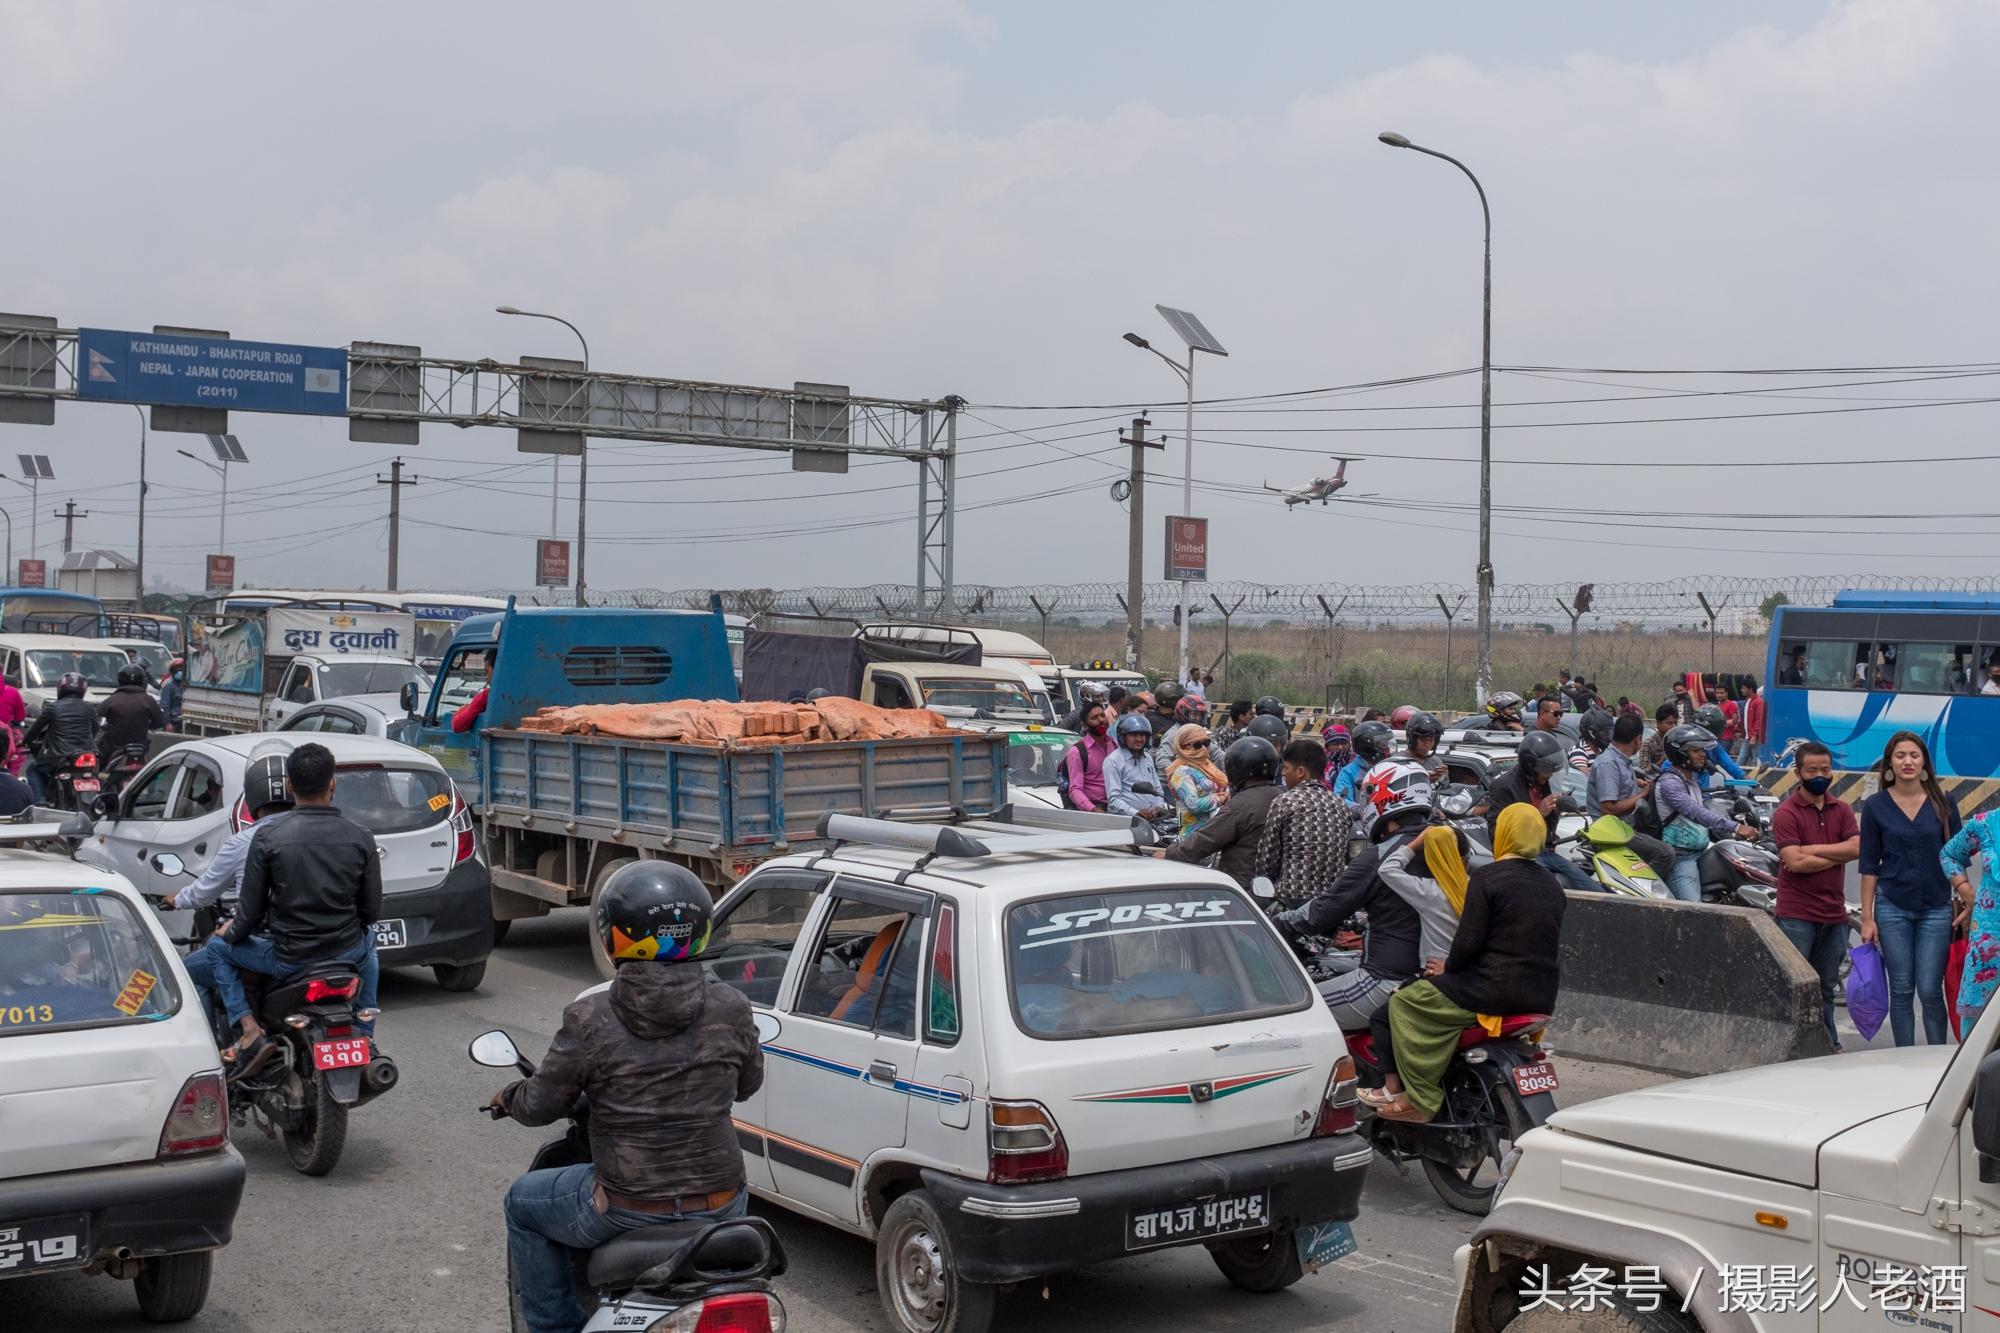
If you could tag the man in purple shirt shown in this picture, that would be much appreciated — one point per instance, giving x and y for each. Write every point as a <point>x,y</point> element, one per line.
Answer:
<point>1816,839</point>
<point>1084,761</point>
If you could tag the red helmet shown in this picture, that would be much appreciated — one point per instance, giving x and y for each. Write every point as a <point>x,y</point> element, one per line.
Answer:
<point>1190,709</point>
<point>1401,717</point>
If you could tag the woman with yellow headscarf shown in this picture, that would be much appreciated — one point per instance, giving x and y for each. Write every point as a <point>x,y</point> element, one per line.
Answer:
<point>1504,960</point>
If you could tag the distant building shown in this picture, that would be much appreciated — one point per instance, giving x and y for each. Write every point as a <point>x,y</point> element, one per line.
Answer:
<point>99,573</point>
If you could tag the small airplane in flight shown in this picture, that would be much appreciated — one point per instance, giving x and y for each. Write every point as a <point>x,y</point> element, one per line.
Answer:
<point>1319,488</point>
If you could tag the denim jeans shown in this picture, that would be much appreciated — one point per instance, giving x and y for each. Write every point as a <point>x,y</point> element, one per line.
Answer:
<point>1684,881</point>
<point>549,1213</point>
<point>201,971</point>
<point>1914,948</point>
<point>258,954</point>
<point>1572,875</point>
<point>1823,944</point>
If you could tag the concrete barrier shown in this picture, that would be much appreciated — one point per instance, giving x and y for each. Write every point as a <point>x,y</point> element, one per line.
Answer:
<point>1683,988</point>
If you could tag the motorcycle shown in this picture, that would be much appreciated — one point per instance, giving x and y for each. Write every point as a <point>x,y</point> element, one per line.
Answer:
<point>1741,871</point>
<point>119,768</point>
<point>77,785</point>
<point>678,1277</point>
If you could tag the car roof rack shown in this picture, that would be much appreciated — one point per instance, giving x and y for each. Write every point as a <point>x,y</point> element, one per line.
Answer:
<point>1015,830</point>
<point>39,822</point>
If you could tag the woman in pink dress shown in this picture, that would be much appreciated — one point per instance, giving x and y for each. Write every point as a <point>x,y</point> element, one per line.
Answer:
<point>13,712</point>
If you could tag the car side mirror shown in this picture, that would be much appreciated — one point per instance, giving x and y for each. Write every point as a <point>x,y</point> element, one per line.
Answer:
<point>407,696</point>
<point>168,864</point>
<point>1986,1118</point>
<point>1262,887</point>
<point>495,1050</point>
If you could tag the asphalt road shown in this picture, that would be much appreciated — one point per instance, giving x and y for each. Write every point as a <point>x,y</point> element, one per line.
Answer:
<point>406,1233</point>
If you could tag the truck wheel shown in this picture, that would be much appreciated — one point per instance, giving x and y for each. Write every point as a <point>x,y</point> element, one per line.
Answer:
<point>1612,1319</point>
<point>460,976</point>
<point>605,967</point>
<point>174,1287</point>
<point>918,1278</point>
<point>1267,1261</point>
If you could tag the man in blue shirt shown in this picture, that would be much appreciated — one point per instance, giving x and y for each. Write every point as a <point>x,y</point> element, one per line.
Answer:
<point>1129,767</point>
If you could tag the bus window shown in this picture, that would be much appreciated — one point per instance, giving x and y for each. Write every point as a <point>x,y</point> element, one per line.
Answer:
<point>1921,668</point>
<point>1837,664</point>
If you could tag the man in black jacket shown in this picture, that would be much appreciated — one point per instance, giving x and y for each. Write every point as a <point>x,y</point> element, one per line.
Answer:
<point>1233,833</point>
<point>662,1055</point>
<point>130,716</point>
<point>65,729</point>
<point>312,888</point>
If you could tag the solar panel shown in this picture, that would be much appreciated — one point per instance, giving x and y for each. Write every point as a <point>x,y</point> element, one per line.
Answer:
<point>36,466</point>
<point>1192,331</point>
<point>227,449</point>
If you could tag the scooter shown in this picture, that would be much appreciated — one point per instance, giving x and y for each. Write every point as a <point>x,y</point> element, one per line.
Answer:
<point>679,1276</point>
<point>1604,849</point>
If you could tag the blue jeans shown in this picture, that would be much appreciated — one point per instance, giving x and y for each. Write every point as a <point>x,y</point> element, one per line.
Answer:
<point>1572,875</point>
<point>1684,880</point>
<point>258,954</point>
<point>201,971</point>
<point>1915,946</point>
<point>550,1213</point>
<point>1823,944</point>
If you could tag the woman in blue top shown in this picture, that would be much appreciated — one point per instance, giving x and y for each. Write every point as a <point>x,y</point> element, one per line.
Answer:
<point>1906,906</point>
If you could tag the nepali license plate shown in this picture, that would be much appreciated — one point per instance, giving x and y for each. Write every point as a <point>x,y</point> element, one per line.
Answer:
<point>1223,1215</point>
<point>46,1242</point>
<point>1538,1077</point>
<point>391,934</point>
<point>348,1053</point>
<point>85,784</point>
<point>1321,1243</point>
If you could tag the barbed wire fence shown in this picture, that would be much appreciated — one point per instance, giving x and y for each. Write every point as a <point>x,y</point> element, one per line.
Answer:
<point>1347,645</point>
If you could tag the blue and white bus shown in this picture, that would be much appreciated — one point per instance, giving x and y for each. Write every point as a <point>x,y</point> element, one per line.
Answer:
<point>1853,674</point>
<point>51,611</point>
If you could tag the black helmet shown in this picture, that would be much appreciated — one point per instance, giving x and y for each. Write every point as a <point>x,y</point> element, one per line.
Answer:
<point>132,674</point>
<point>653,911</point>
<point>1168,693</point>
<point>1684,741</point>
<point>1710,719</point>
<point>71,686</point>
<point>1271,729</point>
<point>1422,724</point>
<point>1373,741</point>
<point>1541,754</point>
<point>1595,727</point>
<point>264,782</point>
<point>1270,706</point>
<point>1250,759</point>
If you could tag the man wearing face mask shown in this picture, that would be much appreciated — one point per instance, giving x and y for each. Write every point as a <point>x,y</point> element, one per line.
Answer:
<point>1816,838</point>
<point>171,691</point>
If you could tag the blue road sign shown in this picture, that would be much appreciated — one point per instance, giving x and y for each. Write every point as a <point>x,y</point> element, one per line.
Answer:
<point>182,370</point>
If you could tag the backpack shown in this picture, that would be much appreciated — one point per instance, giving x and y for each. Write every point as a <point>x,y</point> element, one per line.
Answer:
<point>1646,815</point>
<point>1062,774</point>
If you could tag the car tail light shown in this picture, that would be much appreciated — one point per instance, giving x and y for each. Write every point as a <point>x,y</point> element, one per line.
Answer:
<point>199,1121</point>
<point>1336,1109</point>
<point>465,843</point>
<point>319,991</point>
<point>737,1312</point>
<point>1023,1144</point>
<point>239,818</point>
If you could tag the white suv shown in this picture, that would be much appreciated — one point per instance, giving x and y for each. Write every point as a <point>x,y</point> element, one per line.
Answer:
<point>1004,1050</point>
<point>114,1124</point>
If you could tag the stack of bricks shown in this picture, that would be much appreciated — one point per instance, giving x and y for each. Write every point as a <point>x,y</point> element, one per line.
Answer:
<point>703,722</point>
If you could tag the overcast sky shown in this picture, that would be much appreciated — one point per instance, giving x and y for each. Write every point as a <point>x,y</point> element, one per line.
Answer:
<point>922,199</point>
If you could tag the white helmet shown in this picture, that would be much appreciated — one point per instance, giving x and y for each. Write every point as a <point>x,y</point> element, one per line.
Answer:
<point>1393,788</point>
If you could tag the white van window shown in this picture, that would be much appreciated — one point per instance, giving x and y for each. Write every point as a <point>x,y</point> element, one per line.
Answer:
<point>1145,959</point>
<point>77,958</point>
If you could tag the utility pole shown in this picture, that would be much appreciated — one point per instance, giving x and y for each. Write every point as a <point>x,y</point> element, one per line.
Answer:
<point>69,514</point>
<point>395,481</point>
<point>1135,540</point>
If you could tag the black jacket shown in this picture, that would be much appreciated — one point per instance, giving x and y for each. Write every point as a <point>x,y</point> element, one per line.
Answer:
<point>1511,788</point>
<point>1234,832</point>
<point>1506,957</point>
<point>663,1055</point>
<point>312,882</point>
<point>130,717</point>
<point>1394,928</point>
<point>65,729</point>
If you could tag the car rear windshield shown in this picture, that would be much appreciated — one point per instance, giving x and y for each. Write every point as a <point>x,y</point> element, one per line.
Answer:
<point>1145,959</point>
<point>78,958</point>
<point>392,800</point>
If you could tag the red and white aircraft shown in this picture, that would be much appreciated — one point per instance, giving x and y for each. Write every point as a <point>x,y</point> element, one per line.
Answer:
<point>1319,488</point>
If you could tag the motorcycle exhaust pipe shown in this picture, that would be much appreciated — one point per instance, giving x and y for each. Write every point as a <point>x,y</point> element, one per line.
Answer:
<point>378,1077</point>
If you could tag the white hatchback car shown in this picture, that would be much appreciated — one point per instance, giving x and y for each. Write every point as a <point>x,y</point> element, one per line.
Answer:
<point>114,1123</point>
<point>437,897</point>
<point>1005,1050</point>
<point>379,715</point>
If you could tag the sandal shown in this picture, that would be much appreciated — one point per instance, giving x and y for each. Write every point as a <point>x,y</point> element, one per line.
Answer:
<point>245,1060</point>
<point>1404,1113</point>
<point>1377,1097</point>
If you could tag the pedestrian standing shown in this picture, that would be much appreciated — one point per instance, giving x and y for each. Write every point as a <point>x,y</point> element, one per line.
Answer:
<point>1754,721</point>
<point>1683,703</point>
<point>1906,902</point>
<point>1732,723</point>
<point>1817,836</point>
<point>1980,911</point>
<point>13,713</point>
<point>1232,727</point>
<point>1653,754</point>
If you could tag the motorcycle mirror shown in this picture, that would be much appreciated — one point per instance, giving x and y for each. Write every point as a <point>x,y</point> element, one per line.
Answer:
<point>95,808</point>
<point>169,864</point>
<point>494,1049</point>
<point>1262,887</point>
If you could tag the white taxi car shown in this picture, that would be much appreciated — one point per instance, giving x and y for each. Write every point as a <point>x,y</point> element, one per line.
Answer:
<point>1002,1050</point>
<point>114,1123</point>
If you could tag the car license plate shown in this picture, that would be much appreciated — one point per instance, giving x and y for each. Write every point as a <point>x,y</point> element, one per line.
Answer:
<point>1322,1242</point>
<point>1221,1216</point>
<point>85,784</point>
<point>1539,1077</point>
<point>48,1242</point>
<point>390,934</point>
<point>349,1053</point>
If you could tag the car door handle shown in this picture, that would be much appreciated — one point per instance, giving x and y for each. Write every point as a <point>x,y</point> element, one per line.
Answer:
<point>881,1071</point>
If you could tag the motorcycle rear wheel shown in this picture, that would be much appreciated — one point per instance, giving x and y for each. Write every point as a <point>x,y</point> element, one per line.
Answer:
<point>315,1145</point>
<point>1473,1191</point>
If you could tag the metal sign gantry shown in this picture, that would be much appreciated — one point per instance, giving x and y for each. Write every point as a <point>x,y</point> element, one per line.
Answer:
<point>392,389</point>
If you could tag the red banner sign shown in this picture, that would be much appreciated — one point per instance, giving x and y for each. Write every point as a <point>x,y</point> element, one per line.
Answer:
<point>1187,549</point>
<point>222,573</point>
<point>551,563</point>
<point>34,574</point>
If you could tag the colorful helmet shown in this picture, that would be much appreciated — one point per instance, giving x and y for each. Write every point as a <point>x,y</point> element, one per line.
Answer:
<point>653,911</point>
<point>1134,724</point>
<point>1400,719</point>
<point>1373,741</point>
<point>1504,704</point>
<point>1250,759</point>
<point>1542,755</point>
<point>1144,698</point>
<point>1595,727</point>
<point>1092,693</point>
<point>1686,741</point>
<point>1421,724</point>
<point>1190,709</point>
<point>1390,791</point>
<point>1272,729</point>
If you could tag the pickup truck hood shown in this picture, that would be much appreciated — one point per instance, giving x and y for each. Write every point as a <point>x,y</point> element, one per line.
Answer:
<point>1767,1122</point>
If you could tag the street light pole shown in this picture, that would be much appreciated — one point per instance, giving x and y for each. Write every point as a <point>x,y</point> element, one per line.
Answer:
<point>142,505</point>
<point>1483,684</point>
<point>222,471</point>
<point>583,453</point>
<point>1186,372</point>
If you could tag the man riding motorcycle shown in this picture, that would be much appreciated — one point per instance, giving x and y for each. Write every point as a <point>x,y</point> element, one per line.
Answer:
<point>66,728</point>
<point>1538,758</point>
<point>1232,835</point>
<point>662,1055</point>
<point>1421,734</point>
<point>1372,743</point>
<point>1130,767</point>
<point>129,717</point>
<point>1503,712</point>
